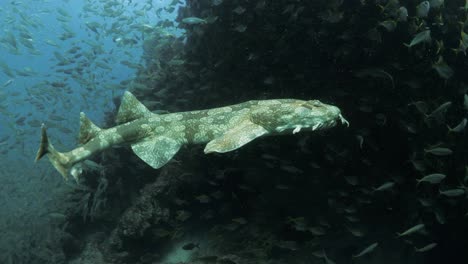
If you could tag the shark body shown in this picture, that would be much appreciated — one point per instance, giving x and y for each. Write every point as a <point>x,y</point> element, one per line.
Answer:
<point>156,138</point>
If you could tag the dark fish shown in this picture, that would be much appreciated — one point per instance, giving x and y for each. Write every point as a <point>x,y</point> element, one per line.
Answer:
<point>4,139</point>
<point>56,117</point>
<point>207,259</point>
<point>58,84</point>
<point>190,246</point>
<point>375,73</point>
<point>20,121</point>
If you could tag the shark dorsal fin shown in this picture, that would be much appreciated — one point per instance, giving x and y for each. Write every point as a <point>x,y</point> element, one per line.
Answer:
<point>156,151</point>
<point>88,129</point>
<point>235,138</point>
<point>131,109</point>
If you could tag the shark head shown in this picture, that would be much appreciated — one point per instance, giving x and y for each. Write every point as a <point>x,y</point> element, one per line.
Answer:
<point>307,116</point>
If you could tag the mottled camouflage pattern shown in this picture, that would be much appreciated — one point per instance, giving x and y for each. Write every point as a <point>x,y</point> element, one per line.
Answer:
<point>157,138</point>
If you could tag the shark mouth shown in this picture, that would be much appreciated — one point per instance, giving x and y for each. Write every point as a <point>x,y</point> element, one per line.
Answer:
<point>331,123</point>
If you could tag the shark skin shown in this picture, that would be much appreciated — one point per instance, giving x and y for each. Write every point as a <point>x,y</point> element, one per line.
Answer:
<point>156,138</point>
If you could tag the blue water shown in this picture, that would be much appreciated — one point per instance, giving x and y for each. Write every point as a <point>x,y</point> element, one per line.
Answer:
<point>29,191</point>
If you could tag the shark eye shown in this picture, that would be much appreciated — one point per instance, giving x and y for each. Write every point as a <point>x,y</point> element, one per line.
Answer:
<point>317,104</point>
<point>312,104</point>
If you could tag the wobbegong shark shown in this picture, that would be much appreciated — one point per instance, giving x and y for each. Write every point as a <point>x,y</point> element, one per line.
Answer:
<point>156,138</point>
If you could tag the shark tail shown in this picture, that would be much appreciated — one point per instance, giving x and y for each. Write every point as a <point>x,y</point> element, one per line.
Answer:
<point>59,160</point>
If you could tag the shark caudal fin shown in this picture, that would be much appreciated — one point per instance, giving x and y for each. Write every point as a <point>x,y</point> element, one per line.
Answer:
<point>59,160</point>
<point>88,129</point>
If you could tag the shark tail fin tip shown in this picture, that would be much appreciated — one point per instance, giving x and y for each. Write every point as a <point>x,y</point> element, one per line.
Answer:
<point>56,158</point>
<point>131,109</point>
<point>44,145</point>
<point>88,129</point>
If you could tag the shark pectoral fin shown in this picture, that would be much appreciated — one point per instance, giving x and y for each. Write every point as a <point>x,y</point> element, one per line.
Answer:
<point>131,109</point>
<point>88,129</point>
<point>235,138</point>
<point>156,151</point>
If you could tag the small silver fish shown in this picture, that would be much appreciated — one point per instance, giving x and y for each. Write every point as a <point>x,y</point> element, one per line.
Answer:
<point>7,83</point>
<point>436,3</point>
<point>402,14</point>
<point>216,2</point>
<point>443,69</point>
<point>426,248</point>
<point>203,198</point>
<point>421,106</point>
<point>411,230</point>
<point>458,128</point>
<point>441,109</point>
<point>439,215</point>
<point>433,178</point>
<point>327,260</point>
<point>182,215</point>
<point>355,231</point>
<point>423,36</point>
<point>453,192</point>
<point>465,100</point>
<point>239,220</point>
<point>57,216</point>
<point>438,151</point>
<point>287,244</point>
<point>465,180</point>
<point>426,202</point>
<point>194,21</point>
<point>422,10</point>
<point>389,25</point>
<point>418,165</point>
<point>384,187</point>
<point>239,10</point>
<point>367,250</point>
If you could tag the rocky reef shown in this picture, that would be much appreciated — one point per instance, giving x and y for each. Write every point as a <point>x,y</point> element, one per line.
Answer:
<point>305,198</point>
